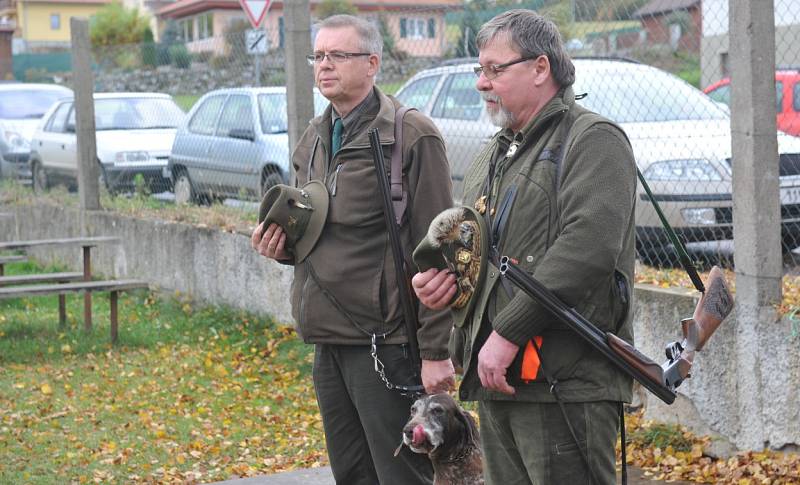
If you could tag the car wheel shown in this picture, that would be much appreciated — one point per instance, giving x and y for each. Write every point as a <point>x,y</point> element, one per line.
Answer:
<point>271,177</point>
<point>183,189</point>
<point>40,183</point>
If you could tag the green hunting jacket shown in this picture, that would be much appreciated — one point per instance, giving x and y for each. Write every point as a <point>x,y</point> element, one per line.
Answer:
<point>570,225</point>
<point>352,261</point>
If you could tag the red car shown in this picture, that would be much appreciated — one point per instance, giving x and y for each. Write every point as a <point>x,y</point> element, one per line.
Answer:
<point>787,101</point>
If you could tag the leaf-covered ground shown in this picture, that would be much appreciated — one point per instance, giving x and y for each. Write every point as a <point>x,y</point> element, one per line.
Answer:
<point>199,394</point>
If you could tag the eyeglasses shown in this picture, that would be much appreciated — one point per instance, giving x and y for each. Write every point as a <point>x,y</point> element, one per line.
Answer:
<point>493,70</point>
<point>334,57</point>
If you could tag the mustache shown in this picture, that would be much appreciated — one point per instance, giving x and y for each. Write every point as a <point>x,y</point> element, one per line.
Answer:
<point>487,96</point>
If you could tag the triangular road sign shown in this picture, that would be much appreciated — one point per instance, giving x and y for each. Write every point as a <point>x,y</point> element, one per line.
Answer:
<point>256,10</point>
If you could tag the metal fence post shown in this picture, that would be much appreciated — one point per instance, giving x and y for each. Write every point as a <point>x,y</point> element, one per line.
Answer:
<point>756,200</point>
<point>83,86</point>
<point>299,76</point>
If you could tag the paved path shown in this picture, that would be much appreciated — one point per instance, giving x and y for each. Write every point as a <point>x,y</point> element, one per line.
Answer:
<point>322,476</point>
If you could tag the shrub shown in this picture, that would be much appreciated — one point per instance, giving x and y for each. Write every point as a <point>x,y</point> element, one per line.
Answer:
<point>180,56</point>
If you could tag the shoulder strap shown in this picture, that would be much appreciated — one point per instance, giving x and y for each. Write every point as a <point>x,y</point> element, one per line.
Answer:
<point>399,195</point>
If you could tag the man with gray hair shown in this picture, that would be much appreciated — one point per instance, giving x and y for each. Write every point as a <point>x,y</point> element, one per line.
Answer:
<point>557,189</point>
<point>344,293</point>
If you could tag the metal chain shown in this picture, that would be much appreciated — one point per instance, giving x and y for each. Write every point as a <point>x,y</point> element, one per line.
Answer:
<point>409,391</point>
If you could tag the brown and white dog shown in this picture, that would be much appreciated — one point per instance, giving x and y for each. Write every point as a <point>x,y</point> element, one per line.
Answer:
<point>449,436</point>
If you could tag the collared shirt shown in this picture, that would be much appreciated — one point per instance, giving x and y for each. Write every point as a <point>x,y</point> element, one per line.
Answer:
<point>350,121</point>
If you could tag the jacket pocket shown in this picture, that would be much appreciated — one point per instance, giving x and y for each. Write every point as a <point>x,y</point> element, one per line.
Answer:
<point>560,353</point>
<point>622,299</point>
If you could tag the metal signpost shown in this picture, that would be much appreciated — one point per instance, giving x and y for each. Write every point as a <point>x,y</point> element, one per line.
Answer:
<point>256,40</point>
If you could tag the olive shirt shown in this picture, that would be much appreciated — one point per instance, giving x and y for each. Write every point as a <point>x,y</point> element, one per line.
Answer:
<point>571,226</point>
<point>351,262</point>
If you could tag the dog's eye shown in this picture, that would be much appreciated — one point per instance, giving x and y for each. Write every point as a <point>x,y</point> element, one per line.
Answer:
<point>438,411</point>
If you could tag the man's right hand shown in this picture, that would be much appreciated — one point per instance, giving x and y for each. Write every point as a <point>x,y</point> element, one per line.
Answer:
<point>271,244</point>
<point>434,288</point>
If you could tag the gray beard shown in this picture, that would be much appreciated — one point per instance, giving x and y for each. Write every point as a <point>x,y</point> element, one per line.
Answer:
<point>502,118</point>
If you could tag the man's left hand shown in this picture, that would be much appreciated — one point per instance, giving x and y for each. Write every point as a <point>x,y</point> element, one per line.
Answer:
<point>438,376</point>
<point>495,357</point>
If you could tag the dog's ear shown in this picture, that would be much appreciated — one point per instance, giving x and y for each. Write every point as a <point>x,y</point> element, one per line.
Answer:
<point>470,426</point>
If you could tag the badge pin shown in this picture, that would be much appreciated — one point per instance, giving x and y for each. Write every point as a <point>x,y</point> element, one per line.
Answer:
<point>480,205</point>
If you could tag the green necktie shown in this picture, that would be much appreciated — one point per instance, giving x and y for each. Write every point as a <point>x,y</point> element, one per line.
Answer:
<point>336,137</point>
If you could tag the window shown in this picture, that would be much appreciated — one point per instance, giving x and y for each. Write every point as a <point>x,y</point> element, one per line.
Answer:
<point>411,28</point>
<point>186,30</point>
<point>721,94</point>
<point>418,94</point>
<point>796,96</point>
<point>59,119</point>
<point>205,118</point>
<point>459,99</point>
<point>237,115</point>
<point>55,21</point>
<point>281,33</point>
<point>205,26</point>
<point>778,96</point>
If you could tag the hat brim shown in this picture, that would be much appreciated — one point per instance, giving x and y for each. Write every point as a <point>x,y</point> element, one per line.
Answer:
<point>318,194</point>
<point>319,200</point>
<point>460,314</point>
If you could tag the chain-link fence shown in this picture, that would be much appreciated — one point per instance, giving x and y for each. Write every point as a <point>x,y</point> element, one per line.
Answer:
<point>642,63</point>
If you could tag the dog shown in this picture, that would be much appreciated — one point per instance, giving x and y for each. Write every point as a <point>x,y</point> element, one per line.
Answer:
<point>440,428</point>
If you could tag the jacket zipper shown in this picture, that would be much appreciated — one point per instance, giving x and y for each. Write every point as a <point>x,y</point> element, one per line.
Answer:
<point>335,179</point>
<point>303,302</point>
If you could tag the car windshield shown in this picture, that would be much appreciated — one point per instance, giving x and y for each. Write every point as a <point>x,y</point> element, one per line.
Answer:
<point>136,114</point>
<point>28,104</point>
<point>642,94</point>
<point>272,109</point>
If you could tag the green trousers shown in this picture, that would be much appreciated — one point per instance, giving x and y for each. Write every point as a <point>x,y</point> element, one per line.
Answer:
<point>363,420</point>
<point>530,443</point>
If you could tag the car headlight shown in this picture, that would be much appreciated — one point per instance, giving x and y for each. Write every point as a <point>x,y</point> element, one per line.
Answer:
<point>128,157</point>
<point>16,141</point>
<point>692,170</point>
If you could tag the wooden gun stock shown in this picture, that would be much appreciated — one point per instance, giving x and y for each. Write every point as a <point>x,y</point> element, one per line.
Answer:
<point>714,306</point>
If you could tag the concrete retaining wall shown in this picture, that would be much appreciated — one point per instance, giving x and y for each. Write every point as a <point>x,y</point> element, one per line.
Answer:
<point>745,391</point>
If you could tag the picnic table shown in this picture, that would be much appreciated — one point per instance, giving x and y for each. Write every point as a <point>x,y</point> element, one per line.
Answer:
<point>64,282</point>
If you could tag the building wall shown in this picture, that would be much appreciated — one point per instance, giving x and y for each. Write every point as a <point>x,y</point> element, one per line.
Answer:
<point>34,19</point>
<point>422,45</point>
<point>714,64</point>
<point>658,30</point>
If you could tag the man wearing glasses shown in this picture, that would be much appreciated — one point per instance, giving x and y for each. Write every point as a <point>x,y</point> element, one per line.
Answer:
<point>557,188</point>
<point>344,293</point>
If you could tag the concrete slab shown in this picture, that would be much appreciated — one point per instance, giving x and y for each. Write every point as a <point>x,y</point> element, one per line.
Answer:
<point>323,476</point>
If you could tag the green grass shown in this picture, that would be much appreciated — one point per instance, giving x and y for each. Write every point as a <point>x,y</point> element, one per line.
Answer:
<point>390,88</point>
<point>186,101</point>
<point>190,393</point>
<point>662,436</point>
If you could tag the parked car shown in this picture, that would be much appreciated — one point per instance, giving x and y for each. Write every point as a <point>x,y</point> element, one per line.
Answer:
<point>787,98</point>
<point>21,108</point>
<point>680,137</point>
<point>234,144</point>
<point>134,135</point>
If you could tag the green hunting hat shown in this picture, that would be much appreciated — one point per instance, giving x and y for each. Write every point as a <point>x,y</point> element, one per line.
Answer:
<point>301,212</point>
<point>457,241</point>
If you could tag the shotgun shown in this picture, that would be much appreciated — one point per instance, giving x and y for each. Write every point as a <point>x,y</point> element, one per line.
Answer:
<point>662,380</point>
<point>403,283</point>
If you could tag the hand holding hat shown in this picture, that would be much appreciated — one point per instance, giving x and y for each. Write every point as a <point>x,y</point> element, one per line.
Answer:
<point>456,242</point>
<point>300,212</point>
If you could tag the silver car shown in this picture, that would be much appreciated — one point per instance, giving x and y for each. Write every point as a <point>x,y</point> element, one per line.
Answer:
<point>134,134</point>
<point>680,137</point>
<point>21,108</point>
<point>233,144</point>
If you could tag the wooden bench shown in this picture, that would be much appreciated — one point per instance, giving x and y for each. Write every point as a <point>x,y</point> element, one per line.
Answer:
<point>14,258</point>
<point>66,282</point>
<point>87,287</point>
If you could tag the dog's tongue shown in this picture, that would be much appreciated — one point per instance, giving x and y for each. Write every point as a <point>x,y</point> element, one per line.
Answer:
<point>419,435</point>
